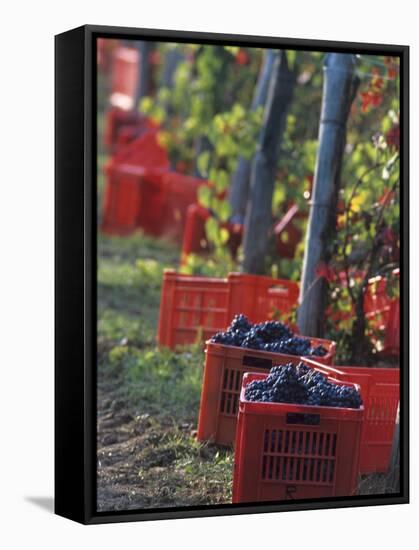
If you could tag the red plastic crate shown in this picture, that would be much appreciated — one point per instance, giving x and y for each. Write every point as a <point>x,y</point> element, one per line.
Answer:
<point>121,203</point>
<point>380,390</point>
<point>123,126</point>
<point>181,191</point>
<point>133,199</point>
<point>224,370</point>
<point>194,236</point>
<point>124,77</point>
<point>144,152</point>
<point>133,194</point>
<point>280,456</point>
<point>190,308</point>
<point>193,306</point>
<point>383,313</point>
<point>262,298</point>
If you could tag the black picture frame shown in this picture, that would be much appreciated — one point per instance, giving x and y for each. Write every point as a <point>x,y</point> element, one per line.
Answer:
<point>76,263</point>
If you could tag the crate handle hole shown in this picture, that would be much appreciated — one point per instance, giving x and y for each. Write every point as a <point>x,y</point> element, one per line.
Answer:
<point>259,362</point>
<point>303,418</point>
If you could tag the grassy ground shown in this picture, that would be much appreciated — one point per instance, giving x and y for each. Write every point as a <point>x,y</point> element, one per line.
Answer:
<point>148,399</point>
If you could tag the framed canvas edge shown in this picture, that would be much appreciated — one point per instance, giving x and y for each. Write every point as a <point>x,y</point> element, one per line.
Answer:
<point>70,183</point>
<point>87,394</point>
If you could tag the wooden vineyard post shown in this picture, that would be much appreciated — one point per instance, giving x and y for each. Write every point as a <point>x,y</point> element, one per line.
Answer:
<point>340,84</point>
<point>259,209</point>
<point>239,189</point>
<point>172,60</point>
<point>144,72</point>
<point>393,477</point>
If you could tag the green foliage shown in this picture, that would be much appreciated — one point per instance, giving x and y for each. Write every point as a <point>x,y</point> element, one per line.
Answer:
<point>208,123</point>
<point>368,236</point>
<point>231,134</point>
<point>205,84</point>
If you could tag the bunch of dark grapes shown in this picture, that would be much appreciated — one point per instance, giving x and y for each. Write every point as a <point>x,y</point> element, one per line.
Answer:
<point>271,331</point>
<point>253,341</point>
<point>332,395</point>
<point>240,323</point>
<point>268,336</point>
<point>319,351</point>
<point>303,385</point>
<point>227,338</point>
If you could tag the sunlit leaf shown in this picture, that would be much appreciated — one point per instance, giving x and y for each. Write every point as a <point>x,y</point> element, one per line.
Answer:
<point>212,230</point>
<point>204,196</point>
<point>224,210</point>
<point>203,162</point>
<point>224,235</point>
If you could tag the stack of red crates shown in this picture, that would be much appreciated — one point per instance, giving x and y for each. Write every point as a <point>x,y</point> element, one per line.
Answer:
<point>150,198</point>
<point>133,187</point>
<point>223,373</point>
<point>124,76</point>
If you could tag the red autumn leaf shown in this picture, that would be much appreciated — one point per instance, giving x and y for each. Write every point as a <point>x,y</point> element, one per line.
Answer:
<point>393,137</point>
<point>378,83</point>
<point>242,58</point>
<point>388,236</point>
<point>325,271</point>
<point>391,73</point>
<point>387,196</point>
<point>376,99</point>
<point>366,101</point>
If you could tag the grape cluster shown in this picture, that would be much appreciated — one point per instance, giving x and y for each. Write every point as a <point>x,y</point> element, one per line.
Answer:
<point>303,385</point>
<point>268,336</point>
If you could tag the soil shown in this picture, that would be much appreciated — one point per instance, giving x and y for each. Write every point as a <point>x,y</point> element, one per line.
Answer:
<point>136,469</point>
